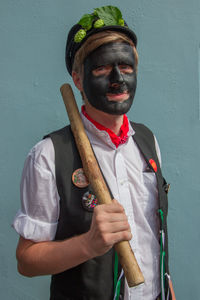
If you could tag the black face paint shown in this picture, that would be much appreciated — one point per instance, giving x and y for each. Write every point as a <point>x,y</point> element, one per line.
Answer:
<point>111,92</point>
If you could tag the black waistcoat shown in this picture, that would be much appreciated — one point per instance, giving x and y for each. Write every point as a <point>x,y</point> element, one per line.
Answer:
<point>92,280</point>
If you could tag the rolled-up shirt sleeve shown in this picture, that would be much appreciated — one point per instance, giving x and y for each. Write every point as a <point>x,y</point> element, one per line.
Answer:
<point>38,217</point>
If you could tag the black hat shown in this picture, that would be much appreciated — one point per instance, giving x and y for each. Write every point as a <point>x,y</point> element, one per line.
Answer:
<point>103,18</point>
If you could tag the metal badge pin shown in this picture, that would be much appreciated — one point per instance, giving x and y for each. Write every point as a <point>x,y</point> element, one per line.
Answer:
<point>89,201</point>
<point>79,179</point>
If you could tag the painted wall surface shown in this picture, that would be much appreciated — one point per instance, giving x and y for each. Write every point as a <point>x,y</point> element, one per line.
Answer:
<point>33,35</point>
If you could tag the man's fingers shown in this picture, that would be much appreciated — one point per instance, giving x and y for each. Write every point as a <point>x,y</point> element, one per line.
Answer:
<point>114,227</point>
<point>118,237</point>
<point>109,226</point>
<point>111,217</point>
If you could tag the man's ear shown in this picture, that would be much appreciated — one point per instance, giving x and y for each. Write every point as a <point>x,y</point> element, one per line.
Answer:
<point>77,80</point>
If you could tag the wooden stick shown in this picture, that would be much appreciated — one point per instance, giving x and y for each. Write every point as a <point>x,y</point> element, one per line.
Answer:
<point>91,169</point>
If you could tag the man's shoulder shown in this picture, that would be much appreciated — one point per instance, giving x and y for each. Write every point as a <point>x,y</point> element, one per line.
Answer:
<point>59,132</point>
<point>63,140</point>
<point>146,141</point>
<point>140,128</point>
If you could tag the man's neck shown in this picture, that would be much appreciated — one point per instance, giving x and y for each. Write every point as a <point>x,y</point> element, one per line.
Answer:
<point>113,122</point>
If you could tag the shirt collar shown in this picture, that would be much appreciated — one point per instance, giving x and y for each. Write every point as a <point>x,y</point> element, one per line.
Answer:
<point>105,135</point>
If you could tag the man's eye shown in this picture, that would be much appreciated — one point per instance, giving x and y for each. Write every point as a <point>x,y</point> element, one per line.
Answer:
<point>101,70</point>
<point>126,68</point>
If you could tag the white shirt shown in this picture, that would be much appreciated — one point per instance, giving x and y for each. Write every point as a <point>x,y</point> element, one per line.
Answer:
<point>131,183</point>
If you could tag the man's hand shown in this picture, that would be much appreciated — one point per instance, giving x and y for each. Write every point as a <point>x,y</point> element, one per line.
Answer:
<point>109,226</point>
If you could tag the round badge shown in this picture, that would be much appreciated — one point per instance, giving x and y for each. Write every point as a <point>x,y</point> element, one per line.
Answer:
<point>89,201</point>
<point>79,179</point>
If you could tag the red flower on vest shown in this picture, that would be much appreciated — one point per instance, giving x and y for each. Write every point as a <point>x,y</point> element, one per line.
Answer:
<point>153,164</point>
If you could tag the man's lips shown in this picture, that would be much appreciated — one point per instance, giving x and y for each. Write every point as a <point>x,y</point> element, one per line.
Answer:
<point>118,96</point>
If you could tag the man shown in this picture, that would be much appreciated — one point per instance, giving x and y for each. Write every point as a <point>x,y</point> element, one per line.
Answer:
<point>62,230</point>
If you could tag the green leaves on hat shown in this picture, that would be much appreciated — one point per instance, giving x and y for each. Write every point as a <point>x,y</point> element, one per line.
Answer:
<point>79,35</point>
<point>121,22</point>
<point>102,16</point>
<point>109,14</point>
<point>99,23</point>
<point>86,21</point>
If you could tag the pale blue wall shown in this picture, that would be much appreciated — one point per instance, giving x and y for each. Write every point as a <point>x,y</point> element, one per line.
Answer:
<point>32,42</point>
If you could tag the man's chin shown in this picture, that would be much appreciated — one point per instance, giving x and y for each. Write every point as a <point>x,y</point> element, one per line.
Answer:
<point>115,107</point>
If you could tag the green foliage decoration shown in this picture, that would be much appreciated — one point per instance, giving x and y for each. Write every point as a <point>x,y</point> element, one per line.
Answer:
<point>109,14</point>
<point>79,35</point>
<point>102,16</point>
<point>99,23</point>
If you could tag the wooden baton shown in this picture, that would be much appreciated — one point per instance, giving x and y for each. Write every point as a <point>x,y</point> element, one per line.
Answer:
<point>91,169</point>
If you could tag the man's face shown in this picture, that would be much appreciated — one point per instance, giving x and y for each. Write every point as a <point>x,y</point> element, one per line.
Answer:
<point>110,80</point>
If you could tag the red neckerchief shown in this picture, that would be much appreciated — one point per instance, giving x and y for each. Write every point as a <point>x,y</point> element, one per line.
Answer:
<point>117,140</point>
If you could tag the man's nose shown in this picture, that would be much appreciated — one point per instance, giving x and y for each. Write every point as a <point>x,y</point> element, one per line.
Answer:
<point>116,76</point>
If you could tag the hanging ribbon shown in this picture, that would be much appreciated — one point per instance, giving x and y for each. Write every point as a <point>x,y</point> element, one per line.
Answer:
<point>117,281</point>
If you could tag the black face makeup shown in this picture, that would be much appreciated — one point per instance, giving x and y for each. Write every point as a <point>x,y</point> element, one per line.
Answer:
<point>110,79</point>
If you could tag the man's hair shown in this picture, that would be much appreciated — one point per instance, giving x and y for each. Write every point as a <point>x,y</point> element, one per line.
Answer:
<point>97,40</point>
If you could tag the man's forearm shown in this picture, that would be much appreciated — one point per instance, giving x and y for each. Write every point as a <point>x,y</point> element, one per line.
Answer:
<point>46,258</point>
<point>109,226</point>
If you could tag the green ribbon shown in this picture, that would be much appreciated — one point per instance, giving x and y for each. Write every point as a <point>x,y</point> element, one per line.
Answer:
<point>162,255</point>
<point>117,283</point>
<point>161,216</point>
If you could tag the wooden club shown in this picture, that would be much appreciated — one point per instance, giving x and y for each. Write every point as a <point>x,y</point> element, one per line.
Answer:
<point>91,169</point>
